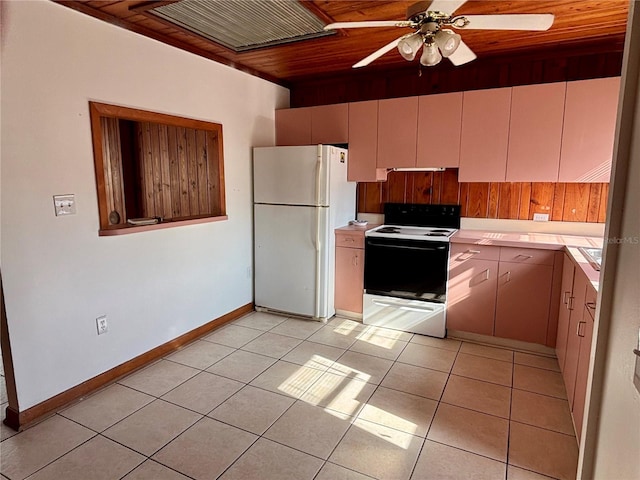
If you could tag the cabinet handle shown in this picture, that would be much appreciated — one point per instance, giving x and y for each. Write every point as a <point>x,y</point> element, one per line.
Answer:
<point>570,304</point>
<point>524,256</point>
<point>349,239</point>
<point>508,275</point>
<point>486,274</point>
<point>355,261</point>
<point>591,305</point>
<point>565,299</point>
<point>473,252</point>
<point>579,332</point>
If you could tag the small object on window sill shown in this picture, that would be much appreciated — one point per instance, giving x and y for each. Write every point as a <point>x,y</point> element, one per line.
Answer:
<point>144,221</point>
<point>114,218</point>
<point>358,223</point>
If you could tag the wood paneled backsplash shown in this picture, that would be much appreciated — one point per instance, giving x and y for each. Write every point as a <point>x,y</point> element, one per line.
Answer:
<point>568,202</point>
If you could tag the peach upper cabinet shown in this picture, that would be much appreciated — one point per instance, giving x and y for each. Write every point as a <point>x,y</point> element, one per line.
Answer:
<point>330,124</point>
<point>591,109</point>
<point>535,132</point>
<point>397,132</point>
<point>485,135</point>
<point>312,125</point>
<point>439,127</point>
<point>293,126</point>
<point>363,143</point>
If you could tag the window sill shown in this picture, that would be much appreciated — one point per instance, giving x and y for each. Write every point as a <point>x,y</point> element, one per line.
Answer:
<point>127,229</point>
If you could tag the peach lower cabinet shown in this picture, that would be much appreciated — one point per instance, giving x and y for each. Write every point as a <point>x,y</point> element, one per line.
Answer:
<point>575,334</point>
<point>349,285</point>
<point>504,292</point>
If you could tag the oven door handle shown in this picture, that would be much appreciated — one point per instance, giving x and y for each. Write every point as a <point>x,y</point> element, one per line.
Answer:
<point>404,307</point>
<point>404,247</point>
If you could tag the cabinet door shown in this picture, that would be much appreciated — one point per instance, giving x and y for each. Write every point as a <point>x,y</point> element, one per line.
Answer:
<point>535,132</point>
<point>591,109</point>
<point>522,306</point>
<point>573,340</point>
<point>293,126</point>
<point>485,135</point>
<point>439,126</point>
<point>363,138</point>
<point>564,313</point>
<point>472,296</point>
<point>330,124</point>
<point>349,279</point>
<point>582,373</point>
<point>397,132</point>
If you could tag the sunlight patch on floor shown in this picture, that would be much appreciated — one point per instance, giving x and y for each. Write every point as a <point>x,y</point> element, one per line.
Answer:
<point>377,340</point>
<point>338,394</point>
<point>299,382</point>
<point>374,414</point>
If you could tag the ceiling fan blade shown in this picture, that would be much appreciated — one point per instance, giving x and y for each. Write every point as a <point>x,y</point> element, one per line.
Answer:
<point>538,22</point>
<point>462,55</point>
<point>377,23</point>
<point>378,53</point>
<point>445,6</point>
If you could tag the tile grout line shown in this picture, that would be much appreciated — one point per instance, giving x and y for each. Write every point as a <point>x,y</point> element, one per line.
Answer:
<point>67,452</point>
<point>435,412</point>
<point>297,399</point>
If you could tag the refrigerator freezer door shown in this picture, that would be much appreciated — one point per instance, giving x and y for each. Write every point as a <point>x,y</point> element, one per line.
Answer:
<point>291,263</point>
<point>291,175</point>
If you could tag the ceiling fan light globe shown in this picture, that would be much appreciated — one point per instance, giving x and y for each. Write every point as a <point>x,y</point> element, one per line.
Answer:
<point>408,46</point>
<point>430,55</point>
<point>447,41</point>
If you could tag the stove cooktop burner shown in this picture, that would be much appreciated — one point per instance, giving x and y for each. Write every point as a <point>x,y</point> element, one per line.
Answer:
<point>412,232</point>
<point>389,230</point>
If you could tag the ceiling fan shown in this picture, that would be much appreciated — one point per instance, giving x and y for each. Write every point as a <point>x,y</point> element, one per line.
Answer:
<point>428,20</point>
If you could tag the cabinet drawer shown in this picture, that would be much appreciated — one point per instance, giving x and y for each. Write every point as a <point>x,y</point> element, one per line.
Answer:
<point>351,240</point>
<point>461,252</point>
<point>590,301</point>
<point>527,255</point>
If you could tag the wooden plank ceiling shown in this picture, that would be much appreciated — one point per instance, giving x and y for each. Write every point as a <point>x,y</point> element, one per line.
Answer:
<point>580,26</point>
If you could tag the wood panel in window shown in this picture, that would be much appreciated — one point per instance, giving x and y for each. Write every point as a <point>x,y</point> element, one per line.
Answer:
<point>151,165</point>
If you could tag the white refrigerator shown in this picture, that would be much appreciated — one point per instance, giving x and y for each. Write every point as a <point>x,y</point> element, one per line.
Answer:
<point>300,196</point>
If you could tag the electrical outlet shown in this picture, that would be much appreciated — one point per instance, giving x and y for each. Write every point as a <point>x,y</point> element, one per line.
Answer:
<point>64,205</point>
<point>101,324</point>
<point>540,217</point>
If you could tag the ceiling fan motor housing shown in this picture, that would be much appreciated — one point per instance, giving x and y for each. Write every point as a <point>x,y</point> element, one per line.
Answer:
<point>417,9</point>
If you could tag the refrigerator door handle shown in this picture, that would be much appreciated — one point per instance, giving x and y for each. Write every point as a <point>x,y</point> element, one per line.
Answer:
<point>318,245</point>
<point>318,176</point>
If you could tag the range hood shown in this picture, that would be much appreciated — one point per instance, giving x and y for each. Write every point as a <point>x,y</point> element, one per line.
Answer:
<point>417,169</point>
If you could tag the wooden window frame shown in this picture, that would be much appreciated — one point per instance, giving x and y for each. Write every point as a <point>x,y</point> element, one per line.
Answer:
<point>215,165</point>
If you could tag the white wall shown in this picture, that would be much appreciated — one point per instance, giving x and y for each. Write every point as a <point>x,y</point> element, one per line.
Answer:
<point>611,446</point>
<point>58,274</point>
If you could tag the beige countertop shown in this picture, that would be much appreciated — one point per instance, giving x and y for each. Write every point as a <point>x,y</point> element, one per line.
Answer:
<point>568,243</point>
<point>533,240</point>
<point>356,229</point>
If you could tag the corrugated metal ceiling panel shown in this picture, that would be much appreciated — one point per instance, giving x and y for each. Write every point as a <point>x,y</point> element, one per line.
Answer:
<point>245,24</point>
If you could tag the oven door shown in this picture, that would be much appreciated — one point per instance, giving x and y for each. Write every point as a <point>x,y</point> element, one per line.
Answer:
<point>411,269</point>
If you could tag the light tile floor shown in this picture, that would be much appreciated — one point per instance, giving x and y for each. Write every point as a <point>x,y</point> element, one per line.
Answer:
<point>270,397</point>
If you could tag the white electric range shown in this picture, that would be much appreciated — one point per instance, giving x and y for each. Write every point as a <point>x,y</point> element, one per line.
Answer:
<point>406,268</point>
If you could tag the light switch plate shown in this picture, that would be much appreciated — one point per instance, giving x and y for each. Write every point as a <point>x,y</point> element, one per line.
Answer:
<point>64,204</point>
<point>540,217</point>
